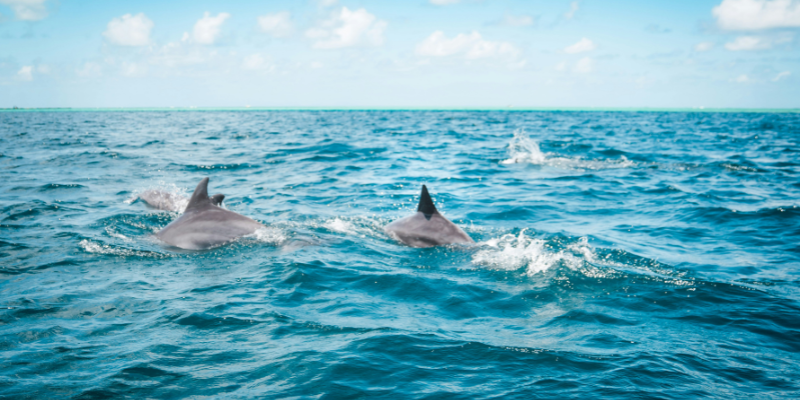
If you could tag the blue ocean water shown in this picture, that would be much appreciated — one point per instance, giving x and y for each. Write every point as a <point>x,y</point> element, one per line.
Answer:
<point>619,254</point>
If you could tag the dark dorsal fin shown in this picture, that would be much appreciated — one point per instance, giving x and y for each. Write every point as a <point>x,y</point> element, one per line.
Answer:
<point>426,203</point>
<point>217,199</point>
<point>200,195</point>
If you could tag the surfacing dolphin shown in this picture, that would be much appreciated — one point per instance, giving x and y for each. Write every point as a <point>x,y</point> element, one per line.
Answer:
<point>163,200</point>
<point>426,228</point>
<point>204,225</point>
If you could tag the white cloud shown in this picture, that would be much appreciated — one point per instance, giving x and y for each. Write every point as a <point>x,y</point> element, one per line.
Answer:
<point>573,8</point>
<point>327,3</point>
<point>132,69</point>
<point>584,66</point>
<point>129,30</point>
<point>207,29</point>
<point>277,25</point>
<point>784,74</point>
<point>747,43</point>
<point>704,46</point>
<point>749,15</point>
<point>583,45</point>
<point>25,73</point>
<point>27,10</point>
<point>257,62</point>
<point>562,66</point>
<point>470,46</point>
<point>741,79</point>
<point>89,70</point>
<point>348,28</point>
<point>513,20</point>
<point>444,2</point>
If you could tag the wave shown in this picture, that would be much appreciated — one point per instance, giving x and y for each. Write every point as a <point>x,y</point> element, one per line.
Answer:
<point>524,150</point>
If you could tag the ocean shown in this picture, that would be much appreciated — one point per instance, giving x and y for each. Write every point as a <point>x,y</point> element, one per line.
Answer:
<point>618,254</point>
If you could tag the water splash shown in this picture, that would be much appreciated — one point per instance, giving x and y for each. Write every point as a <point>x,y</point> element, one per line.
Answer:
<point>524,150</point>
<point>510,252</point>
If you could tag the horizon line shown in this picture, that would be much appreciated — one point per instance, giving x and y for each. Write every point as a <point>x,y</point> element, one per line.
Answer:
<point>323,108</point>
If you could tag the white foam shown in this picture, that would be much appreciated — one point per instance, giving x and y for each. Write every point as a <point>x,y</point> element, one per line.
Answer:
<point>510,252</point>
<point>269,235</point>
<point>524,150</point>
<point>96,248</point>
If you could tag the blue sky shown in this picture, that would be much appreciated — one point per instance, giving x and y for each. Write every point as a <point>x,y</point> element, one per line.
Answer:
<point>411,53</point>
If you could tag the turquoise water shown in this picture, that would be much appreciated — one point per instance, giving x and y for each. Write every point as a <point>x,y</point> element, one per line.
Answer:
<point>618,254</point>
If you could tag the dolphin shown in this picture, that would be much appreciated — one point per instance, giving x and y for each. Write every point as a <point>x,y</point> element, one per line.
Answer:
<point>204,224</point>
<point>426,227</point>
<point>162,200</point>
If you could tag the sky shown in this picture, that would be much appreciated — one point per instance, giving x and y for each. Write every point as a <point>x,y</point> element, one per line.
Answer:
<point>393,53</point>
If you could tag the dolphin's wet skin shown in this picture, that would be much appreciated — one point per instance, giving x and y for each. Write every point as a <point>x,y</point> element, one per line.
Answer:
<point>550,254</point>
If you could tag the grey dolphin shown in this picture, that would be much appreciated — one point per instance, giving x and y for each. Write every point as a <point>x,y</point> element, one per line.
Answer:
<point>204,225</point>
<point>167,201</point>
<point>426,228</point>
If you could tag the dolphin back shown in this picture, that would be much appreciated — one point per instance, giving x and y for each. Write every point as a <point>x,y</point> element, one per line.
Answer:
<point>427,227</point>
<point>204,224</point>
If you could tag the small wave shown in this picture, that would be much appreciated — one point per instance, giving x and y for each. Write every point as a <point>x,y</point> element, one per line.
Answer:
<point>524,150</point>
<point>97,248</point>
<point>510,252</point>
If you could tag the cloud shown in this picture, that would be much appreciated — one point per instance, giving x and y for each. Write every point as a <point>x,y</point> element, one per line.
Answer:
<point>513,20</point>
<point>444,2</point>
<point>129,30</point>
<point>90,70</point>
<point>470,46</point>
<point>784,74</point>
<point>704,46</point>
<point>583,45</point>
<point>327,3</point>
<point>348,28</point>
<point>207,29</point>
<point>741,79</point>
<point>27,10</point>
<point>750,15</point>
<point>562,66</point>
<point>25,73</point>
<point>257,62</point>
<point>573,8</point>
<point>584,66</point>
<point>277,25</point>
<point>747,43</point>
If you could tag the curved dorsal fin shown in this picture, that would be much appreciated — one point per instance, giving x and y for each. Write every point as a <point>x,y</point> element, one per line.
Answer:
<point>200,195</point>
<point>426,203</point>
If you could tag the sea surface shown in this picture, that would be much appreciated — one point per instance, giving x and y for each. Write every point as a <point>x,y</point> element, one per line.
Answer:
<point>626,255</point>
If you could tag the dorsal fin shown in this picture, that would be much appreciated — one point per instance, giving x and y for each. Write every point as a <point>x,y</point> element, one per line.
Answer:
<point>217,199</point>
<point>200,195</point>
<point>426,203</point>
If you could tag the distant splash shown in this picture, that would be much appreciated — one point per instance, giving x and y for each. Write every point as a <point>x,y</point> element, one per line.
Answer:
<point>524,150</point>
<point>513,252</point>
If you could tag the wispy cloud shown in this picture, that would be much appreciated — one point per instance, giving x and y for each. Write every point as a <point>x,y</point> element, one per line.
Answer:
<point>573,8</point>
<point>207,29</point>
<point>746,43</point>
<point>277,24</point>
<point>348,28</point>
<point>129,30</point>
<point>751,15</point>
<point>27,10</point>
<point>581,46</point>
<point>470,46</point>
